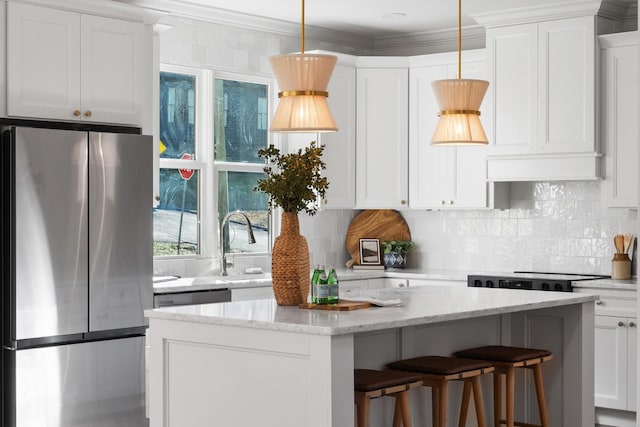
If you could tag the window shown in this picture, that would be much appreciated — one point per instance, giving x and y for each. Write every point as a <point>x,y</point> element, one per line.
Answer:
<point>211,128</point>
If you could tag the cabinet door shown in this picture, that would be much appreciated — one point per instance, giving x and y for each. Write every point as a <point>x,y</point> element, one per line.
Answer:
<point>611,349</point>
<point>113,64</point>
<point>566,120</point>
<point>632,363</point>
<point>382,138</point>
<point>442,177</point>
<point>340,146</point>
<point>43,62</point>
<point>512,56</point>
<point>619,78</point>
<point>431,168</point>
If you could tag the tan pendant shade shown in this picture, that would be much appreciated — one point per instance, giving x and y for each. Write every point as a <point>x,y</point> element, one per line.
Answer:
<point>459,101</point>
<point>303,81</point>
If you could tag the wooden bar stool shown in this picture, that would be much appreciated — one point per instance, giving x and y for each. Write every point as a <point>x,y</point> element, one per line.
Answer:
<point>506,360</point>
<point>437,371</point>
<point>369,384</point>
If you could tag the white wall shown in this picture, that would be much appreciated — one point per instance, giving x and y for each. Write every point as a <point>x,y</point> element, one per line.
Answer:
<point>550,226</point>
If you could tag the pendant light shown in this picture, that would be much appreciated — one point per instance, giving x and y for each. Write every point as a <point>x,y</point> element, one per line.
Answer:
<point>459,100</point>
<point>303,80</point>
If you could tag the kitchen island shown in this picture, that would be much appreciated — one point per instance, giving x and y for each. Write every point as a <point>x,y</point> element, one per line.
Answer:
<point>254,363</point>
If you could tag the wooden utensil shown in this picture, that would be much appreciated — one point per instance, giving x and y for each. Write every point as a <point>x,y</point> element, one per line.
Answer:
<point>627,242</point>
<point>383,224</point>
<point>618,242</point>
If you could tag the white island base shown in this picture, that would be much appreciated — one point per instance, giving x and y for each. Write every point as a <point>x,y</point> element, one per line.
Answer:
<point>254,363</point>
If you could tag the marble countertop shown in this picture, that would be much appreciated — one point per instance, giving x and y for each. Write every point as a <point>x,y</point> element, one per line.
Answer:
<point>420,305</point>
<point>631,284</point>
<point>164,285</point>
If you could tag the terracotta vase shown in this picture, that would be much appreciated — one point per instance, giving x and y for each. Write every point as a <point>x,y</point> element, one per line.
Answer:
<point>290,269</point>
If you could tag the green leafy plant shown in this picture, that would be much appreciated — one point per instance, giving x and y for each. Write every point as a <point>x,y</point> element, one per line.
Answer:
<point>294,181</point>
<point>399,246</point>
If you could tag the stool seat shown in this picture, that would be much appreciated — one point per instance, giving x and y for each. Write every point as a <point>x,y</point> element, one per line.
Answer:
<point>370,384</point>
<point>437,371</point>
<point>506,359</point>
<point>441,365</point>
<point>500,353</point>
<point>370,379</point>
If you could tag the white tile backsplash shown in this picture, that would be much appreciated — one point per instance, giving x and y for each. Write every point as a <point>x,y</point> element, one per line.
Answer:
<point>557,226</point>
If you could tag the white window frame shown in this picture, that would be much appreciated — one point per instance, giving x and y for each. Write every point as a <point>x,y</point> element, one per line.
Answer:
<point>207,167</point>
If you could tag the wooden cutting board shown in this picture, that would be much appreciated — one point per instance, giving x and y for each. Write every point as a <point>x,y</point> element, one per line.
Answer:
<point>383,224</point>
<point>340,306</point>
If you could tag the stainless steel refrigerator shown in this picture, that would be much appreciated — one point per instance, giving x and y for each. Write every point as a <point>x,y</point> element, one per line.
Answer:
<point>76,276</point>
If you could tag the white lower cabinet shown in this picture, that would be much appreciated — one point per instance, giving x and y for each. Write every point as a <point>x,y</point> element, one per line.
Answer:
<point>615,362</point>
<point>245,294</point>
<point>615,356</point>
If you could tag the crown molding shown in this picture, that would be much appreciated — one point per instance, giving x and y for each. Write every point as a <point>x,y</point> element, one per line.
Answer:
<point>112,9</point>
<point>614,9</point>
<point>183,9</point>
<point>425,42</point>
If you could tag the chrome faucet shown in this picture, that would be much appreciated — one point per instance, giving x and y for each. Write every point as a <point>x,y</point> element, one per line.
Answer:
<point>251,237</point>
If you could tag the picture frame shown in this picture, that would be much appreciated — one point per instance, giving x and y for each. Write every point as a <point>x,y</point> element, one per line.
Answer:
<point>370,252</point>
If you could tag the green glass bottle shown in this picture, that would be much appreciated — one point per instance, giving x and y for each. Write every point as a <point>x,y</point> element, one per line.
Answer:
<point>314,283</point>
<point>334,290</point>
<point>321,292</point>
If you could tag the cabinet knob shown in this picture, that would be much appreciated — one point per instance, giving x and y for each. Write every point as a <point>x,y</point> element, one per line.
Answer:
<point>632,324</point>
<point>620,323</point>
<point>403,202</point>
<point>598,302</point>
<point>450,202</point>
<point>442,202</point>
<point>76,113</point>
<point>88,113</point>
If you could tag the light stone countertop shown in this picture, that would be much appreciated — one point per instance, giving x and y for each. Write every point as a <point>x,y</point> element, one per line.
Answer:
<point>189,284</point>
<point>631,284</point>
<point>421,305</point>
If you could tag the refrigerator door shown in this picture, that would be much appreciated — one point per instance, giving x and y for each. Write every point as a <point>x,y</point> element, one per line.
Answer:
<point>94,384</point>
<point>121,230</point>
<point>50,240</point>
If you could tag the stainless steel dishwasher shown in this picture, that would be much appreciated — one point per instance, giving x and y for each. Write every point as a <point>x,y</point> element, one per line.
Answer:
<point>192,297</point>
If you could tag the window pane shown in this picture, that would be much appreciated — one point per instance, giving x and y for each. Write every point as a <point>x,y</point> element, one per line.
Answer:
<point>235,192</point>
<point>175,220</point>
<point>177,114</point>
<point>240,115</point>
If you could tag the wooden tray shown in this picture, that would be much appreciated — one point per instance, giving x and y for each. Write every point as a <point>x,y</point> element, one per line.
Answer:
<point>340,306</point>
<point>383,224</point>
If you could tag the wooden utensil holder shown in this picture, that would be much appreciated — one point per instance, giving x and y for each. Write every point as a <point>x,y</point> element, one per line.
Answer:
<point>621,267</point>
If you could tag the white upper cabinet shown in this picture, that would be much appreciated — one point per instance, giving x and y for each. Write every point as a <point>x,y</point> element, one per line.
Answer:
<point>65,65</point>
<point>339,147</point>
<point>543,100</point>
<point>619,118</point>
<point>382,135</point>
<point>443,177</point>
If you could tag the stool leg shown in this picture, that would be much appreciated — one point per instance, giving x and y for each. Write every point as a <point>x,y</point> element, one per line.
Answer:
<point>510,391</point>
<point>477,400</point>
<point>362,406</point>
<point>402,414</point>
<point>542,404</point>
<point>435,405</point>
<point>497,398</point>
<point>443,404</point>
<point>464,407</point>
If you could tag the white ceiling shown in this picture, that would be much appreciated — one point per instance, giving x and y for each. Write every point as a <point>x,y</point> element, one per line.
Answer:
<point>369,18</point>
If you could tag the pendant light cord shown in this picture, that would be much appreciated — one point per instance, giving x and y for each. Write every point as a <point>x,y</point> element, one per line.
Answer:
<point>459,38</point>
<point>302,31</point>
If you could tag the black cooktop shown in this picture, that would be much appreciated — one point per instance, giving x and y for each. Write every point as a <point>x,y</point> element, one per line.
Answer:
<point>528,280</point>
